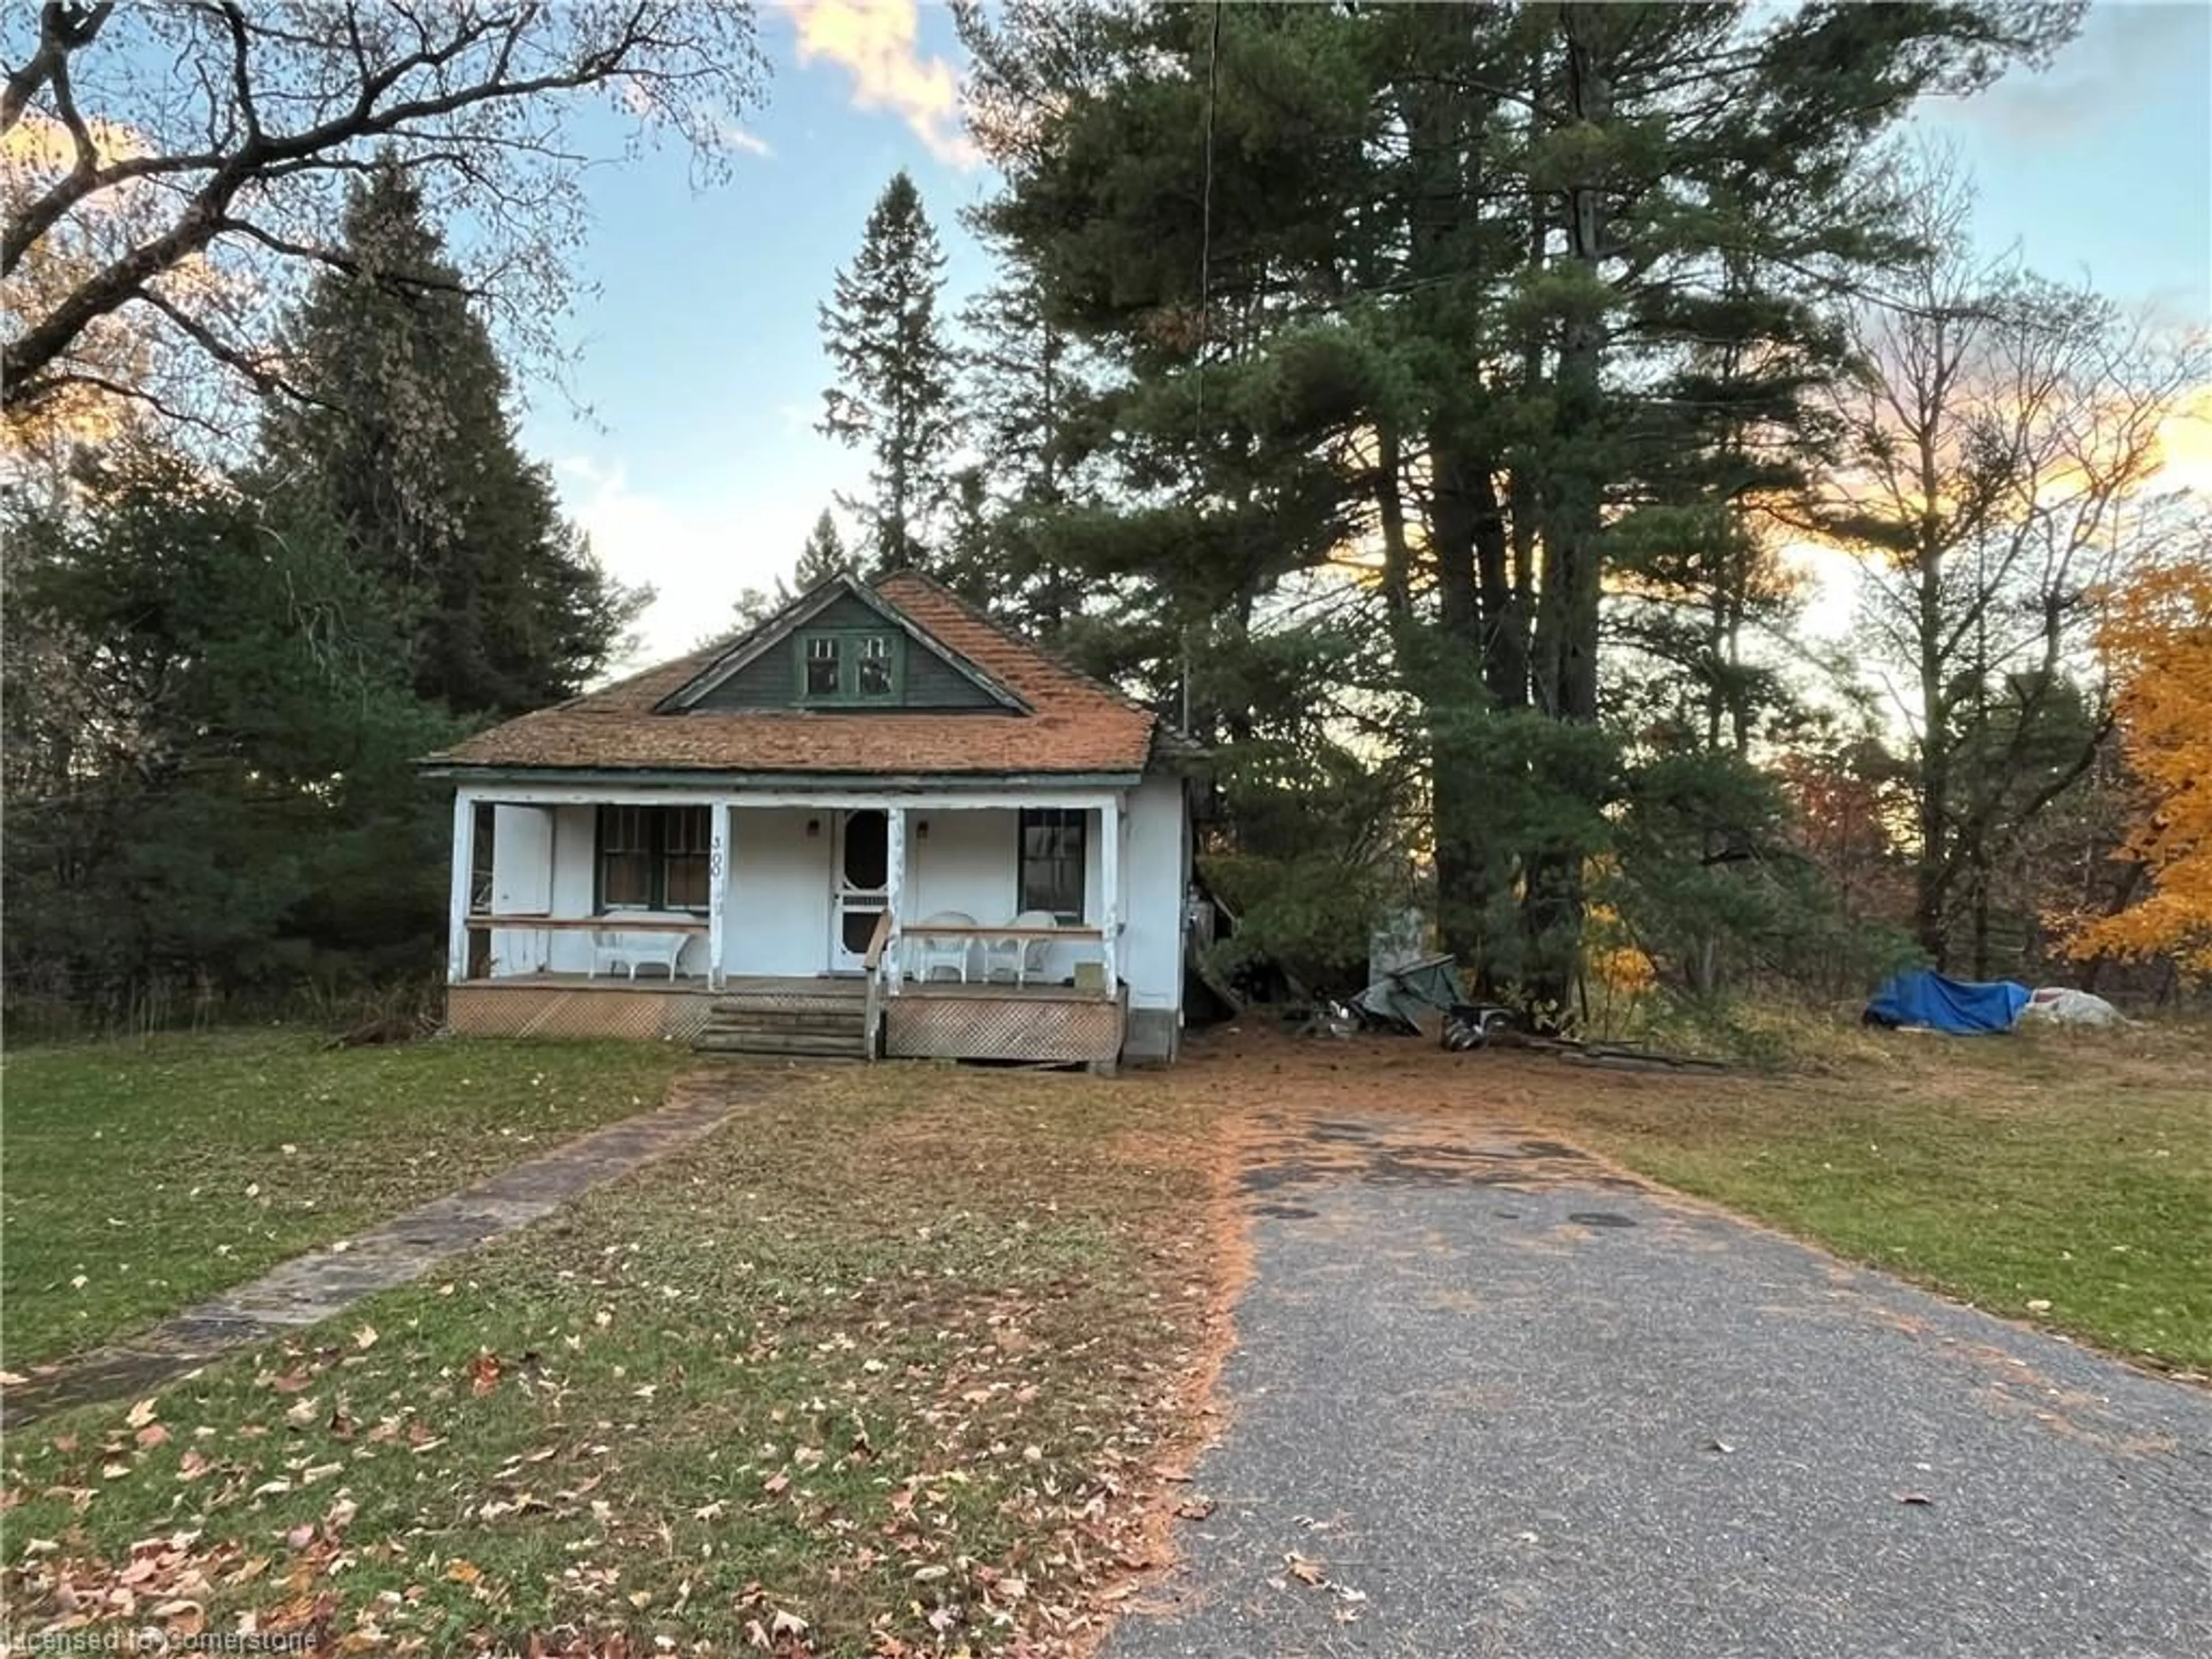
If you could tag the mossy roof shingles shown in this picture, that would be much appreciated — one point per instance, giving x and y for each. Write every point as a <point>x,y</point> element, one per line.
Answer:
<point>1072,725</point>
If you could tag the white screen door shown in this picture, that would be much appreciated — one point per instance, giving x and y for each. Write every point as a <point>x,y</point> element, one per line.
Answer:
<point>862,892</point>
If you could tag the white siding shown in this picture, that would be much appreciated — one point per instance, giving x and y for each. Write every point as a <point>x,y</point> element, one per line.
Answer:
<point>778,907</point>
<point>967,861</point>
<point>1155,871</point>
<point>777,916</point>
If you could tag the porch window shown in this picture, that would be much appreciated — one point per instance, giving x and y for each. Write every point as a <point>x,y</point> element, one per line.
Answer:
<point>653,858</point>
<point>1052,860</point>
<point>849,666</point>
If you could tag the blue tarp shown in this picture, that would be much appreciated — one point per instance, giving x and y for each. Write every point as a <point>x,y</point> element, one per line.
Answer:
<point>1922,997</point>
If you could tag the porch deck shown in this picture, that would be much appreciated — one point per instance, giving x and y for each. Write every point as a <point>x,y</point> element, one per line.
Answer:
<point>854,986</point>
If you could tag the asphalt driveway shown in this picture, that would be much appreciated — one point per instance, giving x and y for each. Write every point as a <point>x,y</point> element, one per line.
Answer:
<point>1489,1399</point>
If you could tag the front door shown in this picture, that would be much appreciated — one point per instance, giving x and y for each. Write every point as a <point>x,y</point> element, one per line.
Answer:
<point>861,893</point>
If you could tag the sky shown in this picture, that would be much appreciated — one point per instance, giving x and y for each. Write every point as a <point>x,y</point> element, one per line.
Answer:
<point>682,436</point>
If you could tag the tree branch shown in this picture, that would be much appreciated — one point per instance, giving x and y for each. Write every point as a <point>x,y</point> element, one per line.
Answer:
<point>63,29</point>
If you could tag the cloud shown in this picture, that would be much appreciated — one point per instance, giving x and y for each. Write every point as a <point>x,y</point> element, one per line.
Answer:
<point>2121,50</point>
<point>641,100</point>
<point>696,554</point>
<point>752,144</point>
<point>2184,440</point>
<point>877,42</point>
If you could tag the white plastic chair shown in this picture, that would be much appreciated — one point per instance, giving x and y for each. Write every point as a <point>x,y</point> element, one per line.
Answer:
<point>947,952</point>
<point>1021,957</point>
<point>612,950</point>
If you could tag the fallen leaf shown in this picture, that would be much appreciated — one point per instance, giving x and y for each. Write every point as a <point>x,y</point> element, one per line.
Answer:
<point>1196,1509</point>
<point>1304,1571</point>
<point>365,1337</point>
<point>152,1435</point>
<point>1914,1498</point>
<point>484,1373</point>
<point>141,1415</point>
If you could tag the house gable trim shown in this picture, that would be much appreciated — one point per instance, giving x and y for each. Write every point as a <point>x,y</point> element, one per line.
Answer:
<point>793,620</point>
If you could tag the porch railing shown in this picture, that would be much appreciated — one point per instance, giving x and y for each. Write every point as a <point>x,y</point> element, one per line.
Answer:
<point>872,966</point>
<point>523,921</point>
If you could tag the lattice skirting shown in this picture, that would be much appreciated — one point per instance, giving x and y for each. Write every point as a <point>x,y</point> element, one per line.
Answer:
<point>1001,1028</point>
<point>558,1011</point>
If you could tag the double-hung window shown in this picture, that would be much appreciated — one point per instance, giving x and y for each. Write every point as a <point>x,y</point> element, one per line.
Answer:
<point>849,666</point>
<point>823,663</point>
<point>653,858</point>
<point>873,675</point>
<point>1052,861</point>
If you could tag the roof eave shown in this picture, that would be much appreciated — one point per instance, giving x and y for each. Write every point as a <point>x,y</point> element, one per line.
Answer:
<point>443,769</point>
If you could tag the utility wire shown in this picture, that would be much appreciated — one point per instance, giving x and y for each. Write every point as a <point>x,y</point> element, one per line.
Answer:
<point>1205,284</point>
<point>1206,213</point>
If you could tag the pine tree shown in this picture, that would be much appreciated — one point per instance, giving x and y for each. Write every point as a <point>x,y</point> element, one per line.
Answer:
<point>1017,388</point>
<point>406,442</point>
<point>894,390</point>
<point>823,557</point>
<point>235,805</point>
<point>1454,302</point>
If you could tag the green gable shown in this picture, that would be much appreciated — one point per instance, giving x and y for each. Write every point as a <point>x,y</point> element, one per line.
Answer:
<point>875,665</point>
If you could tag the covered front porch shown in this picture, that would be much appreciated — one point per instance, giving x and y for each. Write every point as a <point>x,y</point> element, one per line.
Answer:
<point>960,926</point>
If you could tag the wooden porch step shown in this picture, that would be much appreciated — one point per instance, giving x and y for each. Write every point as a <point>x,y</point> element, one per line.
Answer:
<point>744,1005</point>
<point>784,1019</point>
<point>816,1044</point>
<point>817,1018</point>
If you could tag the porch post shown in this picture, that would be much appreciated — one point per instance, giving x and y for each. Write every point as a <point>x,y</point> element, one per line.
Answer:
<point>718,879</point>
<point>1110,889</point>
<point>894,885</point>
<point>456,930</point>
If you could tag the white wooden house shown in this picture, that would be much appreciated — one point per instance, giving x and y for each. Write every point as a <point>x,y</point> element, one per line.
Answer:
<point>880,823</point>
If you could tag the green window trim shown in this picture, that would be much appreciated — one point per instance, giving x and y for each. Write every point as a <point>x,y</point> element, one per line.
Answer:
<point>657,858</point>
<point>868,665</point>
<point>1055,861</point>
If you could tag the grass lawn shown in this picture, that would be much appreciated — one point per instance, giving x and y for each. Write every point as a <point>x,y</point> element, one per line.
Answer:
<point>902,1361</point>
<point>141,1177</point>
<point>887,1366</point>
<point>2057,1176</point>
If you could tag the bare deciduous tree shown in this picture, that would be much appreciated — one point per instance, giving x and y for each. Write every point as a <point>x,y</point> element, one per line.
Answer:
<point>2001,466</point>
<point>173,168</point>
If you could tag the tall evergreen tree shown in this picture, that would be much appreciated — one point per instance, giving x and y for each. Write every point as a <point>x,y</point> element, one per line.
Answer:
<point>404,439</point>
<point>211,770</point>
<point>1019,383</point>
<point>894,390</point>
<point>1443,292</point>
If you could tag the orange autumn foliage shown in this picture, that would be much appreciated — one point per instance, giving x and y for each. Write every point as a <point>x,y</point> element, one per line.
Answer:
<point>2158,638</point>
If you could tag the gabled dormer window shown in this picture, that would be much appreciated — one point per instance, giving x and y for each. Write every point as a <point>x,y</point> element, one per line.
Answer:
<point>874,677</point>
<point>823,663</point>
<point>849,666</point>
